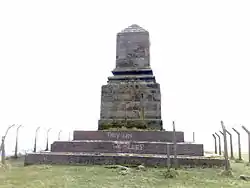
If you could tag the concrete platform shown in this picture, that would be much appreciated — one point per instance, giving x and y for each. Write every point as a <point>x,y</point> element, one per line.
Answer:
<point>136,147</point>
<point>119,159</point>
<point>160,136</point>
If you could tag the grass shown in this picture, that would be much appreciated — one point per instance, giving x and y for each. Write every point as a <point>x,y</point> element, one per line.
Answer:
<point>46,176</point>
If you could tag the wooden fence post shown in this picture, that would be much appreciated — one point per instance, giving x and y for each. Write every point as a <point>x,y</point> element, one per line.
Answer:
<point>215,144</point>
<point>219,142</point>
<point>227,163</point>
<point>248,133</point>
<point>231,144</point>
<point>239,144</point>
<point>175,147</point>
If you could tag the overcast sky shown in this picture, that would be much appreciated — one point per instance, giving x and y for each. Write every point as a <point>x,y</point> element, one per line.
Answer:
<point>55,55</point>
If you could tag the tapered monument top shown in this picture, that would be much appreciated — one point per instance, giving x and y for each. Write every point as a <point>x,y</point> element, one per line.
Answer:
<point>132,50</point>
<point>134,28</point>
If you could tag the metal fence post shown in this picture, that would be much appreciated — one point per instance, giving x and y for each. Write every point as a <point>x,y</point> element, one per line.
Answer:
<point>248,133</point>
<point>175,147</point>
<point>215,144</point>
<point>227,163</point>
<point>231,144</point>
<point>36,139</point>
<point>16,146</point>
<point>47,143</point>
<point>219,142</point>
<point>3,144</point>
<point>168,156</point>
<point>239,144</point>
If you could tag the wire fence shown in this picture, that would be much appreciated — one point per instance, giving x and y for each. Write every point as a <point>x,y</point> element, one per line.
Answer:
<point>226,142</point>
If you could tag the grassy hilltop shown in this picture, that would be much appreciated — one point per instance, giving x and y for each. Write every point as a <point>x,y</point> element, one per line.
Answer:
<point>44,176</point>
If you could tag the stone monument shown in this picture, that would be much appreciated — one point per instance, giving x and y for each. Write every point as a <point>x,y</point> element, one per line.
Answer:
<point>131,99</point>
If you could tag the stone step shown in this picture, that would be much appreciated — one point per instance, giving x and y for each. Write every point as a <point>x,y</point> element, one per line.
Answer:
<point>118,159</point>
<point>161,136</point>
<point>141,147</point>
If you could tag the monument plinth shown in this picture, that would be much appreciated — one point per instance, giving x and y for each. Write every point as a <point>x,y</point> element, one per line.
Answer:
<point>132,97</point>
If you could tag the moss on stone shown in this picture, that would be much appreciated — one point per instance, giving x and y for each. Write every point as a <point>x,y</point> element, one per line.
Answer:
<point>123,125</point>
<point>129,124</point>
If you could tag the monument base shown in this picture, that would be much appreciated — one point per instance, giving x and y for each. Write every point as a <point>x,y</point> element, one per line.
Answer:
<point>150,148</point>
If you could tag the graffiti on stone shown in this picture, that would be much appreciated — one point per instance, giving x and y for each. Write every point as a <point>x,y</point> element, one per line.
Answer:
<point>128,146</point>
<point>120,135</point>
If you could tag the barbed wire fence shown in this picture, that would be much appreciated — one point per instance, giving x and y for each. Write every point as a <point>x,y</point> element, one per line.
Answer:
<point>219,138</point>
<point>234,134</point>
<point>17,153</point>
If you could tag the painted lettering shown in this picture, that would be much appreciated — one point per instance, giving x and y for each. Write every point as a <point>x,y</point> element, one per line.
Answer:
<point>119,135</point>
<point>128,146</point>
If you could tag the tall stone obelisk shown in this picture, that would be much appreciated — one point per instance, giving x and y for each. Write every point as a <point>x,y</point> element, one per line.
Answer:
<point>131,98</point>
